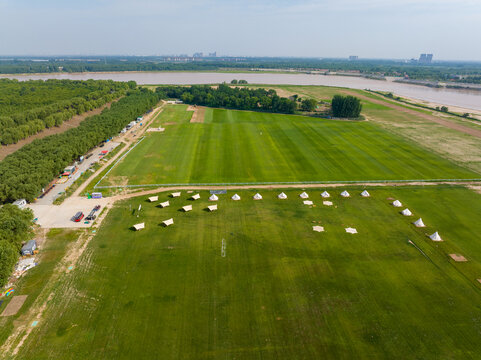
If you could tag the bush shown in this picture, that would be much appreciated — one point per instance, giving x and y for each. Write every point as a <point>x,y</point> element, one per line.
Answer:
<point>346,106</point>
<point>8,258</point>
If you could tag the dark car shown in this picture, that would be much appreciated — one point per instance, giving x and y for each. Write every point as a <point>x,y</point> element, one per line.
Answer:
<point>91,217</point>
<point>78,216</point>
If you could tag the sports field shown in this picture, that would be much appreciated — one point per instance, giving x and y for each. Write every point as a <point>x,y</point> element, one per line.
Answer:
<point>282,291</point>
<point>250,147</point>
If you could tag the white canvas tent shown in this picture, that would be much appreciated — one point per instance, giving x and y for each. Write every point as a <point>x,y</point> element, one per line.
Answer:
<point>365,194</point>
<point>257,196</point>
<point>139,226</point>
<point>325,194</point>
<point>195,197</point>
<point>406,212</point>
<point>397,203</point>
<point>308,202</point>
<point>153,198</point>
<point>435,237</point>
<point>168,222</point>
<point>419,223</point>
<point>304,195</point>
<point>235,197</point>
<point>345,194</point>
<point>164,204</point>
<point>213,197</point>
<point>351,230</point>
<point>187,208</point>
<point>175,194</point>
<point>282,196</point>
<point>212,207</point>
<point>327,203</point>
<point>318,228</point>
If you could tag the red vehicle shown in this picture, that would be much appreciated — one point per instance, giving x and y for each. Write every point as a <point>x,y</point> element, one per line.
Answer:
<point>78,216</point>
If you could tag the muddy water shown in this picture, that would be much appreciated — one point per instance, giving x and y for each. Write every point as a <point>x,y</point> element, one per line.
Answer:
<point>450,97</point>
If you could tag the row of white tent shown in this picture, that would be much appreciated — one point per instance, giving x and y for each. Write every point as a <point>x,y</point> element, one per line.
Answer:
<point>418,223</point>
<point>283,196</point>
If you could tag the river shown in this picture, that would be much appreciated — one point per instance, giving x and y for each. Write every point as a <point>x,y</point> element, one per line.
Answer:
<point>451,97</point>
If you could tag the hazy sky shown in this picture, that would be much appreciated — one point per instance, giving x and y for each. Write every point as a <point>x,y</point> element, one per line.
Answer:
<point>450,29</point>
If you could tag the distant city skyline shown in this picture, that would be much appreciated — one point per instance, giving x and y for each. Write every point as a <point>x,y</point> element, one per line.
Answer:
<point>382,29</point>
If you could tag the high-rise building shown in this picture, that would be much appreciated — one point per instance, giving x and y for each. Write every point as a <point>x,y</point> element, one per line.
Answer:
<point>213,54</point>
<point>353,57</point>
<point>425,58</point>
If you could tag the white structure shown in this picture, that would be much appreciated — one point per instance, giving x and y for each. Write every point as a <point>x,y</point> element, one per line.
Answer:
<point>176,194</point>
<point>139,226</point>
<point>187,208</point>
<point>419,223</point>
<point>304,195</point>
<point>397,203</point>
<point>168,222</point>
<point>327,203</point>
<point>164,204</point>
<point>21,203</point>
<point>351,230</point>
<point>318,228</point>
<point>213,197</point>
<point>308,202</point>
<point>195,197</point>
<point>153,198</point>
<point>235,197</point>
<point>212,207</point>
<point>406,212</point>
<point>282,196</point>
<point>257,196</point>
<point>325,194</point>
<point>435,237</point>
<point>365,194</point>
<point>345,194</point>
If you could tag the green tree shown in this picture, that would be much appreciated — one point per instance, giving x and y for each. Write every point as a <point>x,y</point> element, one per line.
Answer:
<point>8,258</point>
<point>234,82</point>
<point>346,106</point>
<point>308,105</point>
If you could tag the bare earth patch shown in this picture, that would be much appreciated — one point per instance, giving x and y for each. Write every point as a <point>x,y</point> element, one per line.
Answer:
<point>14,305</point>
<point>198,115</point>
<point>458,258</point>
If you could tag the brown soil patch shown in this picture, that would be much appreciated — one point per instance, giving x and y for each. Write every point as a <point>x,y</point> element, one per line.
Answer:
<point>198,115</point>
<point>66,125</point>
<point>458,258</point>
<point>170,123</point>
<point>14,305</point>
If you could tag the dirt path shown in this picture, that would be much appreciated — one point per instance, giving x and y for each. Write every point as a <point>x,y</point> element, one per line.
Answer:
<point>437,120</point>
<point>127,139</point>
<point>66,125</point>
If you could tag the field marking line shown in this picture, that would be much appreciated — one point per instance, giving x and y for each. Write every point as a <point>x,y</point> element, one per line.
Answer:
<point>281,184</point>
<point>118,160</point>
<point>126,140</point>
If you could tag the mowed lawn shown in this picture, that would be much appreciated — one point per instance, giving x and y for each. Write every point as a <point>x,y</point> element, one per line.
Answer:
<point>282,291</point>
<point>248,147</point>
<point>173,114</point>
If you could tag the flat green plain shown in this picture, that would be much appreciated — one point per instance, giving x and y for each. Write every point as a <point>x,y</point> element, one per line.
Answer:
<point>282,291</point>
<point>251,147</point>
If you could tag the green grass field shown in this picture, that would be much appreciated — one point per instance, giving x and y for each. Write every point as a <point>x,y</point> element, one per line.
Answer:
<point>282,291</point>
<point>177,114</point>
<point>249,147</point>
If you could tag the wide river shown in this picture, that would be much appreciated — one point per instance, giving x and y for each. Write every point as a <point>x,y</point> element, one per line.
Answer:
<point>450,97</point>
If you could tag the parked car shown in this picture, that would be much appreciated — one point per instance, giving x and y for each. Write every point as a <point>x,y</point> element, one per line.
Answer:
<point>91,216</point>
<point>97,208</point>
<point>78,216</point>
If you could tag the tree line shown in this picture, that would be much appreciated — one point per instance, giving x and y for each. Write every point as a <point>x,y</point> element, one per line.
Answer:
<point>27,108</point>
<point>15,228</point>
<point>25,172</point>
<point>346,106</point>
<point>228,97</point>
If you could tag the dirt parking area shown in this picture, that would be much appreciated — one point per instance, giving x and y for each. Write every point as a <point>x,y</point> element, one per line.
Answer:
<point>198,115</point>
<point>60,216</point>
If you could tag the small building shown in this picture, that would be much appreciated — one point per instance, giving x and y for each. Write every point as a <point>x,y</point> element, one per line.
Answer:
<point>29,247</point>
<point>20,203</point>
